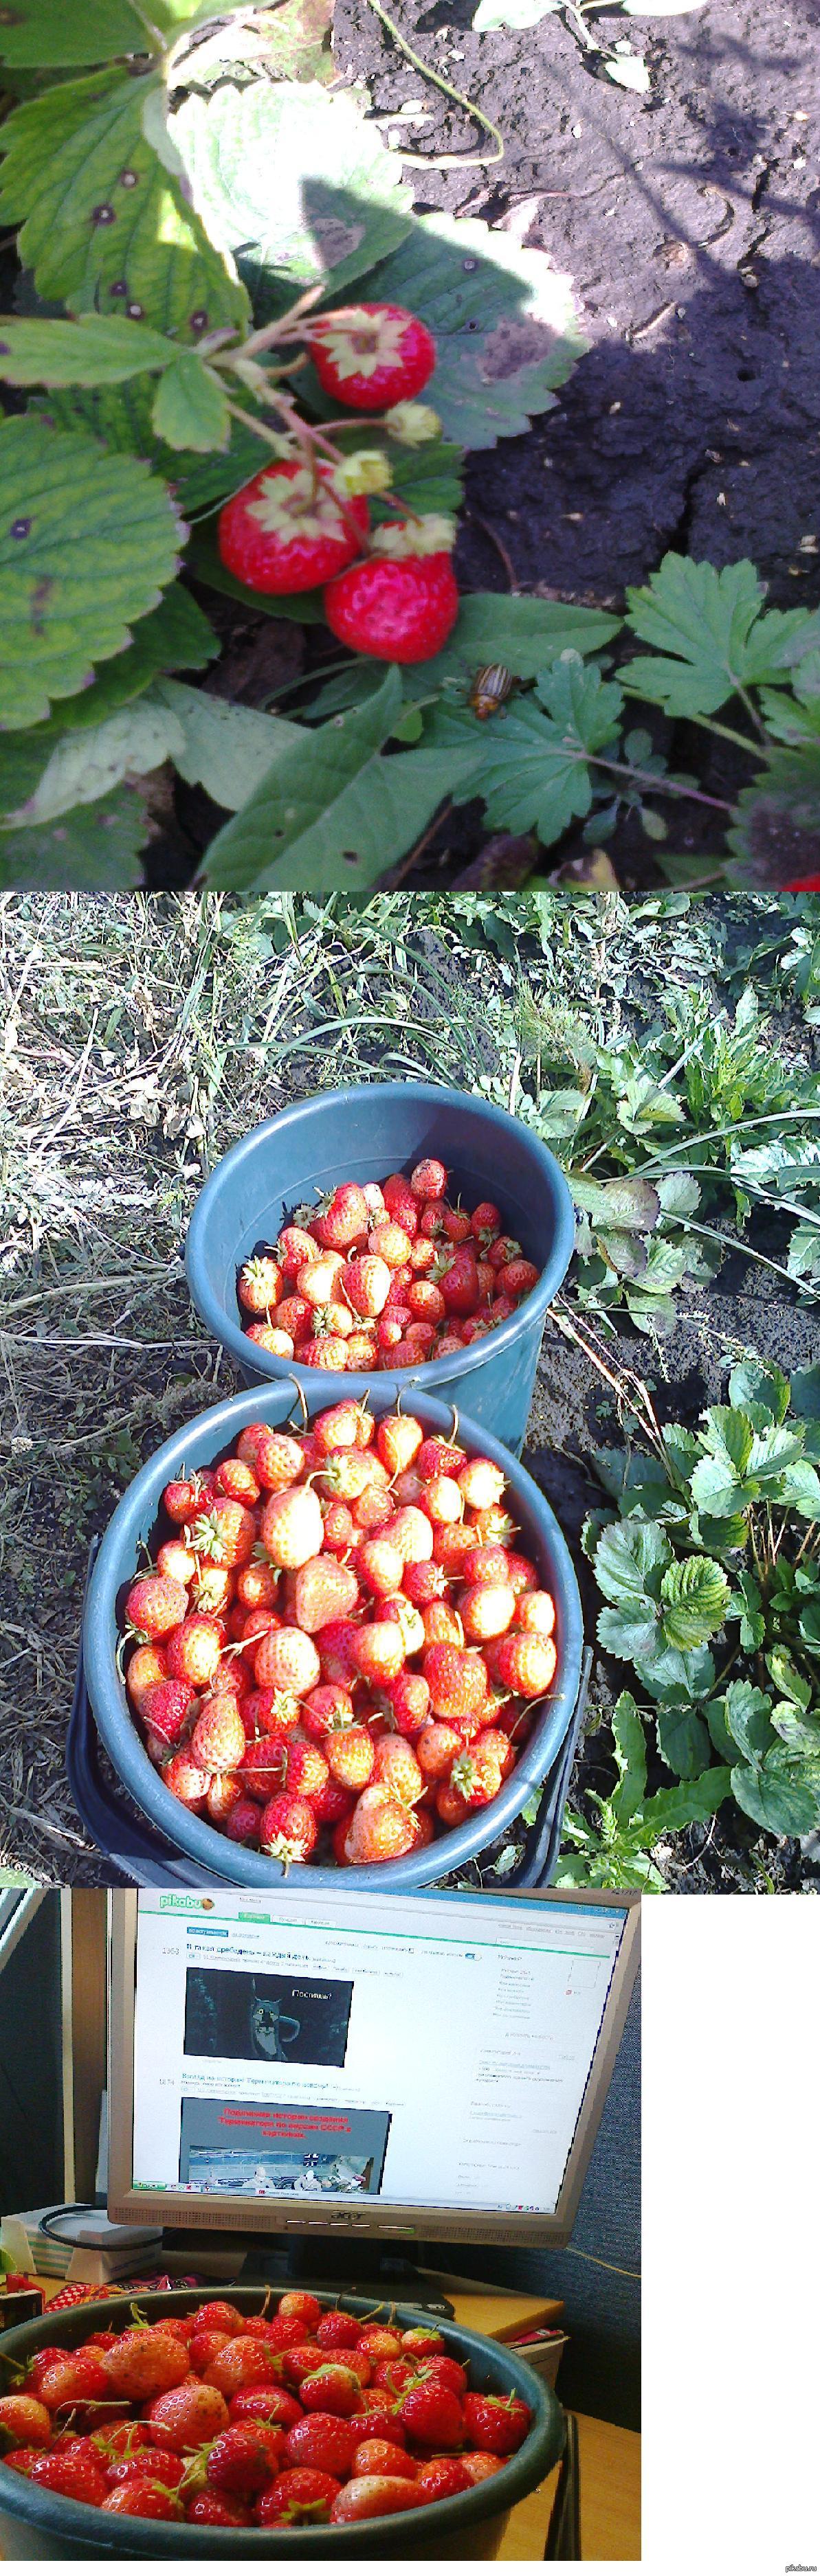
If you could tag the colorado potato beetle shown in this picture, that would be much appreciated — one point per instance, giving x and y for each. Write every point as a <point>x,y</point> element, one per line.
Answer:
<point>490,688</point>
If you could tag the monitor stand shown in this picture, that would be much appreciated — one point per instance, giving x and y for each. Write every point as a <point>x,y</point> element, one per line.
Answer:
<point>337,2264</point>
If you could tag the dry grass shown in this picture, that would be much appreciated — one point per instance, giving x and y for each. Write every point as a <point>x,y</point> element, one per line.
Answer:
<point>139,1037</point>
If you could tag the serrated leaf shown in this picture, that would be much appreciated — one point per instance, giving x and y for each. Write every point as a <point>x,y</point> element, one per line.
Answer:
<point>191,406</point>
<point>691,1803</point>
<point>226,749</point>
<point>630,1755</point>
<point>694,1593</point>
<point>526,635</point>
<point>625,1253</point>
<point>754,1381</point>
<point>679,1194</point>
<point>776,1794</point>
<point>630,1635</point>
<point>683,1742</point>
<point>104,226</point>
<point>630,1202</point>
<point>803,1256</point>
<point>805,1393</point>
<point>728,1437</point>
<point>629,1560</point>
<point>333,813</point>
<point>339,201</point>
<point>86,767</point>
<point>88,544</point>
<point>50,34</point>
<point>747,1714</point>
<point>100,350</point>
<point>426,478</point>
<point>787,1680</point>
<point>711,622</point>
<point>95,850</point>
<point>503,319</point>
<point>532,769</point>
<point>673,1678</point>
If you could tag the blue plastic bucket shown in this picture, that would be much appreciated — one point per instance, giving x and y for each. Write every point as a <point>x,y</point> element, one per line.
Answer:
<point>35,2523</point>
<point>361,1135</point>
<point>214,1435</point>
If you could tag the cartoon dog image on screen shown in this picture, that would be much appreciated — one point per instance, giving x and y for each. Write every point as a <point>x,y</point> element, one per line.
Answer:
<point>280,2020</point>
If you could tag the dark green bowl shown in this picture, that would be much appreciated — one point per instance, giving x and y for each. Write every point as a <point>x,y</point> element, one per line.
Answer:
<point>37,2524</point>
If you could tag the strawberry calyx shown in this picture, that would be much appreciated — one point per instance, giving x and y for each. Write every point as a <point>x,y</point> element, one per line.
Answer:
<point>433,532</point>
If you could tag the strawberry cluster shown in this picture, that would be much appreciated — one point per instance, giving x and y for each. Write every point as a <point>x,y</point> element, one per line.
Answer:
<point>303,523</point>
<point>337,1653</point>
<point>299,2415</point>
<point>383,1275</point>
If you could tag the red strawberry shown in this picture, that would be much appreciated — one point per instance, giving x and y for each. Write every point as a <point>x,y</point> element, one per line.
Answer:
<point>149,2462</point>
<point>380,1829</point>
<point>177,1561</point>
<point>524,1663</point>
<point>287,1660</point>
<point>344,1220</point>
<point>261,2405</point>
<point>518,1277</point>
<point>237,1481</point>
<point>25,2419</point>
<point>496,2424</point>
<point>481,1483</point>
<point>291,1526</point>
<point>215,2511</point>
<point>324,1708</point>
<point>145,2362</point>
<point>321,2442</point>
<point>338,2332</point>
<point>381,2459</point>
<point>366,1284</point>
<point>75,2376</point>
<point>183,1497</point>
<point>323,1590</point>
<point>397,611</point>
<point>377,1649</point>
<point>486,1610</point>
<point>154,1606</point>
<point>288,1829</point>
<point>441,2478</point>
<point>433,2414</point>
<point>370,356</point>
<point>395,1765</point>
<point>350,1756</point>
<point>245,2458</point>
<point>218,1740</point>
<point>259,1285</point>
<point>226,1533</point>
<point>379,2343</point>
<point>301,2304</point>
<point>290,529</point>
<point>187,1781</point>
<point>305,1776</point>
<point>298,2496</point>
<point>363,2498</point>
<point>302,2358</point>
<point>459,1282</point>
<point>456,1679</point>
<point>188,2415</point>
<point>332,2389</point>
<point>165,1708</point>
<point>79,2479</point>
<point>477,1775</point>
<point>535,1612</point>
<point>343,1426</point>
<point>193,1651</point>
<point>398,1440</point>
<point>145,2499</point>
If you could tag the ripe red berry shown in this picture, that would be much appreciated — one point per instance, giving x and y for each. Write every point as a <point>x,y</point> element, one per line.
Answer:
<point>370,356</point>
<point>290,529</point>
<point>396,610</point>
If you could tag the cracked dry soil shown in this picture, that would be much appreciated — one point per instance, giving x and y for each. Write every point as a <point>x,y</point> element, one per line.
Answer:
<point>690,225</point>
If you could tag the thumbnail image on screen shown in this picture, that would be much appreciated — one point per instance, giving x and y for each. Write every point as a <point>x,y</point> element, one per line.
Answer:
<point>258,2148</point>
<point>300,2021</point>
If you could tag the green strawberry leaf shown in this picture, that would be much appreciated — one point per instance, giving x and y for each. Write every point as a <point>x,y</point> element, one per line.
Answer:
<point>332,812</point>
<point>630,1202</point>
<point>50,34</point>
<point>630,1754</point>
<point>95,850</point>
<point>88,544</point>
<point>524,635</point>
<point>503,319</point>
<point>339,202</point>
<point>692,1802</point>
<point>226,749</point>
<point>173,637</point>
<point>776,1793</point>
<point>85,767</point>
<point>191,406</point>
<point>100,350</point>
<point>122,416</point>
<point>105,226</point>
<point>757,1382</point>
<point>683,1742</point>
<point>531,768</point>
<point>709,635</point>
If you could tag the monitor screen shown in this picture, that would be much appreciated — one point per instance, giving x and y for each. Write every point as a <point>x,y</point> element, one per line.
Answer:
<point>282,2062</point>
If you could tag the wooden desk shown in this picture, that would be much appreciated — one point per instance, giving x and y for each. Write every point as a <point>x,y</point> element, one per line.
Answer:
<point>610,2457</point>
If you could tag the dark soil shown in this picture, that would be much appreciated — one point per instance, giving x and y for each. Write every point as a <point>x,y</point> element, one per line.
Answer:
<point>689,223</point>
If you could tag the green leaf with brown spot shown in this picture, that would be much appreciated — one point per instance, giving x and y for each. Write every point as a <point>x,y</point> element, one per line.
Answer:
<point>105,227</point>
<point>88,543</point>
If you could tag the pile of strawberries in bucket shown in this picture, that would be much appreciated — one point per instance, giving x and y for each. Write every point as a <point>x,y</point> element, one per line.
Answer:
<point>337,1651</point>
<point>383,1276</point>
<point>302,2416</point>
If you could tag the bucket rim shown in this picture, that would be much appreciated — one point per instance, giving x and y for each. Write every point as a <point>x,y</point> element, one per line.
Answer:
<point>459,1364</point>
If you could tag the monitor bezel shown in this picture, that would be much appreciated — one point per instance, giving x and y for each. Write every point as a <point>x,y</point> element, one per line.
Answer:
<point>414,2221</point>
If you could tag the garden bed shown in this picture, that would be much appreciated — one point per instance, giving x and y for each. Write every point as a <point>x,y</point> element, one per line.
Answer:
<point>139,1041</point>
<point>636,275</point>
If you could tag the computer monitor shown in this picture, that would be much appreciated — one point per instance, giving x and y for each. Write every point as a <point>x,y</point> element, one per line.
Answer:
<point>363,2066</point>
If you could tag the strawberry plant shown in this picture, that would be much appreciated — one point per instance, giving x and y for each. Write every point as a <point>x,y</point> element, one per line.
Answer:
<point>204,380</point>
<point>710,1575</point>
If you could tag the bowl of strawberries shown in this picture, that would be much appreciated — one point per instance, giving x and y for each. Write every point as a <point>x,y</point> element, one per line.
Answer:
<point>339,1641</point>
<point>263,2425</point>
<point>395,1229</point>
